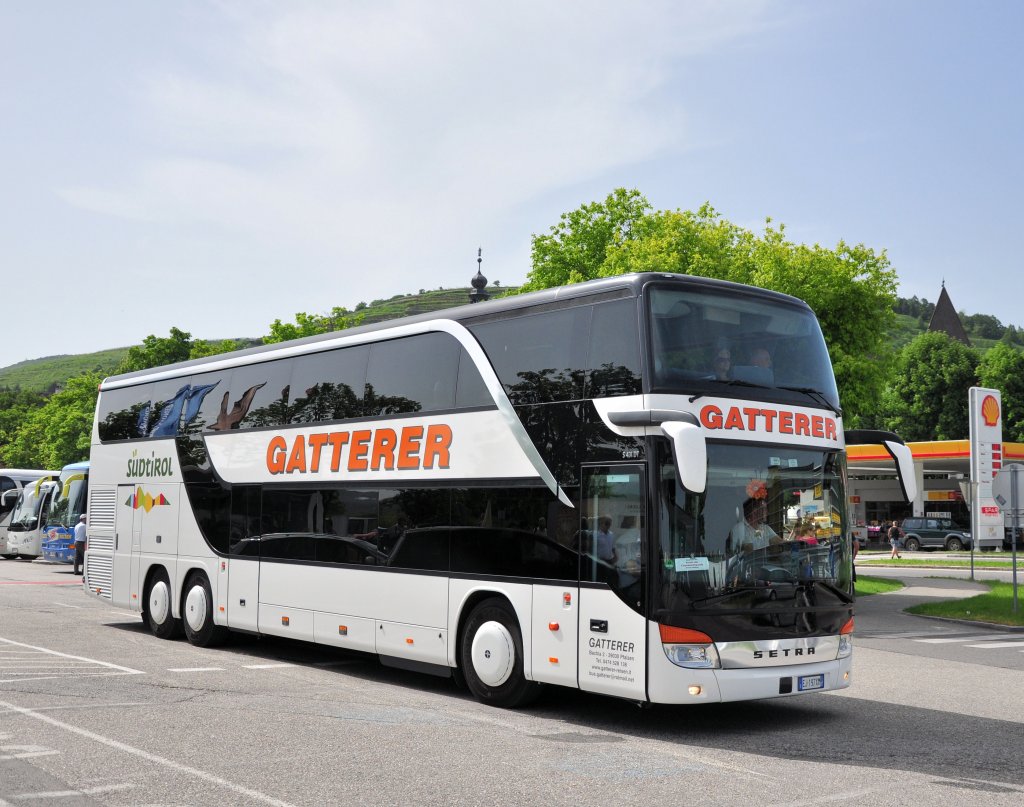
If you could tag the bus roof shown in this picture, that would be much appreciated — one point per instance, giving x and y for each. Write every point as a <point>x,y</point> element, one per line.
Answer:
<point>619,286</point>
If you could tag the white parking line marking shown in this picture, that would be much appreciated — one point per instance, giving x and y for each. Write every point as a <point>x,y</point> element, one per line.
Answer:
<point>1000,644</point>
<point>981,637</point>
<point>266,666</point>
<point>25,751</point>
<point>195,669</point>
<point>65,605</point>
<point>63,794</point>
<point>127,670</point>
<point>170,763</point>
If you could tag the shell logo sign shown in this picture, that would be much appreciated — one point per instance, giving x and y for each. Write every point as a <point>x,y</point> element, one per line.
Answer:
<point>990,410</point>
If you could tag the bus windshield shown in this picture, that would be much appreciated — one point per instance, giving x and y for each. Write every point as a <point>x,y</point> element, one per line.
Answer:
<point>25,516</point>
<point>70,502</point>
<point>771,521</point>
<point>706,341</point>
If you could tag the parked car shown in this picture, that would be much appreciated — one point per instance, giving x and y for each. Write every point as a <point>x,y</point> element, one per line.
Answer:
<point>934,533</point>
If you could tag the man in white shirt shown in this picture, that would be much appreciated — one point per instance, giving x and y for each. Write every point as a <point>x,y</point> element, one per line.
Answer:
<point>753,531</point>
<point>604,540</point>
<point>80,537</point>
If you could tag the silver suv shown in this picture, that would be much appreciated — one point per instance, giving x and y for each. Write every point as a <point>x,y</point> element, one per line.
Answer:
<point>934,533</point>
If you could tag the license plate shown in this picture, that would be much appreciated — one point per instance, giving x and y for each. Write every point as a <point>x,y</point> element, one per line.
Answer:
<point>806,682</point>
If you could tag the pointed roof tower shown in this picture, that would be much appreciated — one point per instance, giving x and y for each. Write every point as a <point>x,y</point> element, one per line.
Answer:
<point>946,320</point>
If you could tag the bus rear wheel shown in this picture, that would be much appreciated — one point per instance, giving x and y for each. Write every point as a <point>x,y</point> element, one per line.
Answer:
<point>197,611</point>
<point>158,615</point>
<point>491,656</point>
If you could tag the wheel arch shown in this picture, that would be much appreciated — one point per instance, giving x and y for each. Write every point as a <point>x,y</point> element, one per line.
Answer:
<point>519,599</point>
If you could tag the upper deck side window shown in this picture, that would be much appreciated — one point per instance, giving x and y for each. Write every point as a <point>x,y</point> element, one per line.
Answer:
<point>565,354</point>
<point>421,373</point>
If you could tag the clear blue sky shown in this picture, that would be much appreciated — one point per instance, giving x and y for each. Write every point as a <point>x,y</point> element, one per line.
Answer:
<point>218,165</point>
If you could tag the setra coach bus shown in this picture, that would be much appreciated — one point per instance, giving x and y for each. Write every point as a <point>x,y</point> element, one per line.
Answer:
<point>635,486</point>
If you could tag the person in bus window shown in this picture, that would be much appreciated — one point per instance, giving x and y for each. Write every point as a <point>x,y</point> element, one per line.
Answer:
<point>753,531</point>
<point>723,364</point>
<point>760,357</point>
<point>604,540</point>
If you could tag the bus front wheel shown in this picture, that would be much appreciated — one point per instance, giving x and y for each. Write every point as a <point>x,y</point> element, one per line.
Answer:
<point>158,613</point>
<point>197,611</point>
<point>491,656</point>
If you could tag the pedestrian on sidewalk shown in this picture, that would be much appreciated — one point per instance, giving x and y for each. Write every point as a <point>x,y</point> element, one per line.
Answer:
<point>894,540</point>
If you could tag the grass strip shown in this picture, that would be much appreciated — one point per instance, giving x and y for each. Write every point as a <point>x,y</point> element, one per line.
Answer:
<point>955,563</point>
<point>866,586</point>
<point>995,606</point>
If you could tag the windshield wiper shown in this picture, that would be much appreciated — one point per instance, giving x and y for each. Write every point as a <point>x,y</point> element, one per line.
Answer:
<point>817,395</point>
<point>731,382</point>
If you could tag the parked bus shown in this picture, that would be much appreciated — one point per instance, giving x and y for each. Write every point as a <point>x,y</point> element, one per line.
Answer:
<point>12,480</point>
<point>28,519</point>
<point>65,508</point>
<point>552,488</point>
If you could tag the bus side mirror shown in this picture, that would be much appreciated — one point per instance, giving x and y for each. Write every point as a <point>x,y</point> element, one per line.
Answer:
<point>690,451</point>
<point>898,450</point>
<point>904,468</point>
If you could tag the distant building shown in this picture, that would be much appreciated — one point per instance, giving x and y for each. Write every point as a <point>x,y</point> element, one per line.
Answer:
<point>946,320</point>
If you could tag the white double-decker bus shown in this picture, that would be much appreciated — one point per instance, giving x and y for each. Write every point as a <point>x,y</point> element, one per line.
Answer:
<point>561,487</point>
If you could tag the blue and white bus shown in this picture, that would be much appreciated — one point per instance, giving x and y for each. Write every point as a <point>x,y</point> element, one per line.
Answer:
<point>66,505</point>
<point>558,488</point>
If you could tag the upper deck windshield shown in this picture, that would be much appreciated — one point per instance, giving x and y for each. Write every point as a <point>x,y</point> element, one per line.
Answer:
<point>721,342</point>
<point>771,524</point>
<point>70,502</point>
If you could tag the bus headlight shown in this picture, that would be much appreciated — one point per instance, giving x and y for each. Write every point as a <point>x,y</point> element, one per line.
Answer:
<point>689,648</point>
<point>846,639</point>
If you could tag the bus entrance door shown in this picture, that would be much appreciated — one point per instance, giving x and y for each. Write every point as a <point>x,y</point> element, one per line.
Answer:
<point>613,644</point>
<point>127,537</point>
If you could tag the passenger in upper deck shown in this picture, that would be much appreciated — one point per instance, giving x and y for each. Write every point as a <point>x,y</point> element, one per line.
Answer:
<point>723,364</point>
<point>760,357</point>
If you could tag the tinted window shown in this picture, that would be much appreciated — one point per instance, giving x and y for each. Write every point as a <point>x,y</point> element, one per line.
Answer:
<point>208,394</point>
<point>259,397</point>
<point>413,527</point>
<point>124,413</point>
<point>167,404</point>
<point>540,357</point>
<point>614,359</point>
<point>417,374</point>
<point>329,386</point>
<point>245,520</point>
<point>522,532</point>
<point>211,505</point>
<point>471,390</point>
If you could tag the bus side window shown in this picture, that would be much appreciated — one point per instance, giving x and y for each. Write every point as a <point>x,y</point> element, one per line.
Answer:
<point>402,374</point>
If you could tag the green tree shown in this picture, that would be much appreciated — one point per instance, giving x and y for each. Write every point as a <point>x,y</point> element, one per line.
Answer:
<point>927,394</point>
<point>852,289</point>
<point>16,406</point>
<point>1002,368</point>
<point>576,248</point>
<point>156,351</point>
<point>311,324</point>
<point>59,431</point>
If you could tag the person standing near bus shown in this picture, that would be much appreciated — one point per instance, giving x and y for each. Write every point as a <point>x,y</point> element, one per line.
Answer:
<point>80,537</point>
